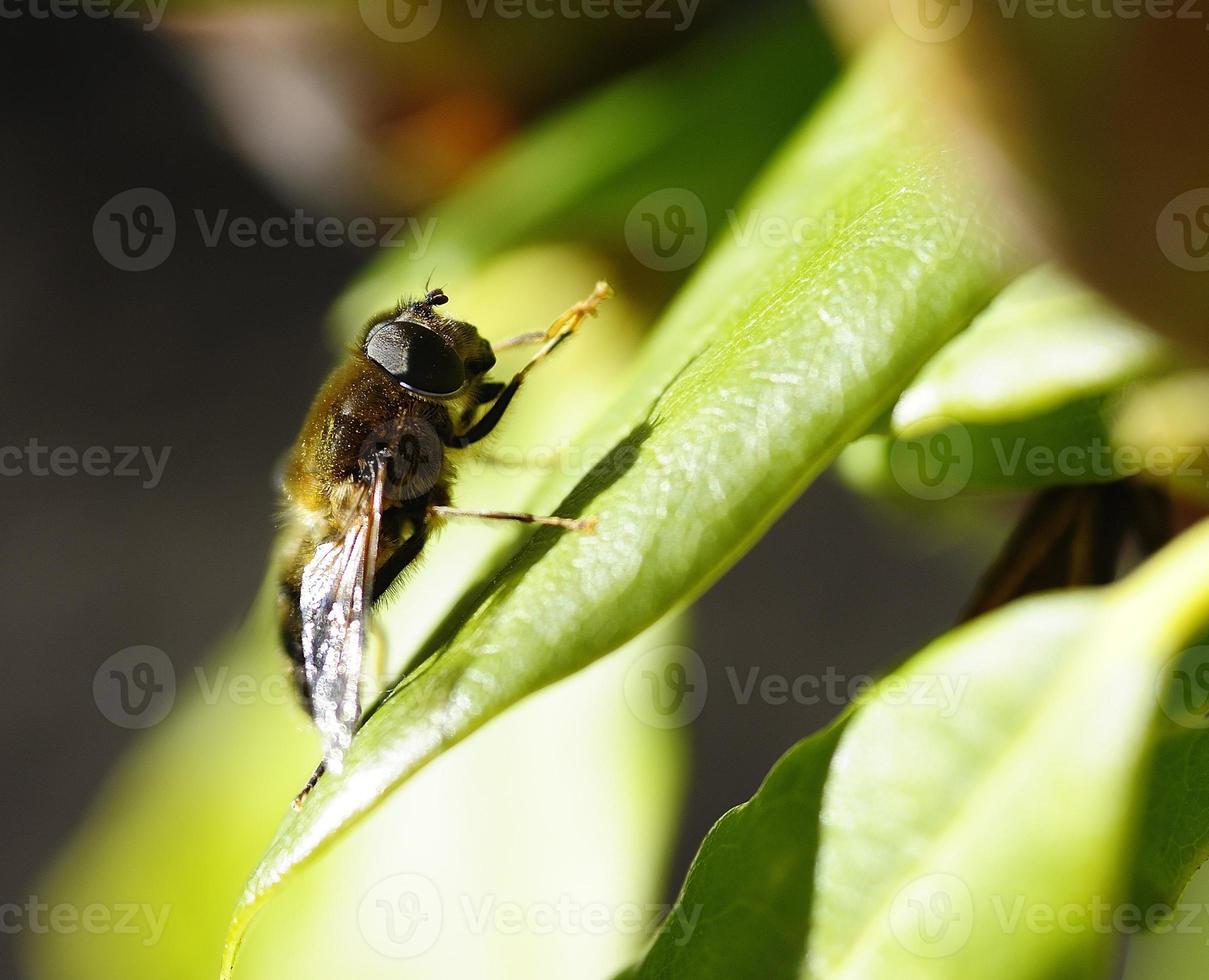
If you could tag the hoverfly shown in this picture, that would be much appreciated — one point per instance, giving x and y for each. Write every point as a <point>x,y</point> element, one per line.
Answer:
<point>369,479</point>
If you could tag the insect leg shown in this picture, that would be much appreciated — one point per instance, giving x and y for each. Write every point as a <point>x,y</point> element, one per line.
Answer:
<point>488,392</point>
<point>569,523</point>
<point>520,340</point>
<point>310,785</point>
<point>559,331</point>
<point>407,552</point>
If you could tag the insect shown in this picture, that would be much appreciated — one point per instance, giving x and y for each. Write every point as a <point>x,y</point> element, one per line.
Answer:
<point>369,480</point>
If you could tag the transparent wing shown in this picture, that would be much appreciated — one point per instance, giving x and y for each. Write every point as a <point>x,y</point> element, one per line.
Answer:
<point>334,601</point>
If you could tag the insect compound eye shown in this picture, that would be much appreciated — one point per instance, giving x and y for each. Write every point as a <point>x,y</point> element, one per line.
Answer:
<point>418,358</point>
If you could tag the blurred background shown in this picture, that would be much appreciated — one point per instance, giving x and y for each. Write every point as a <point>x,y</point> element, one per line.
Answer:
<point>208,350</point>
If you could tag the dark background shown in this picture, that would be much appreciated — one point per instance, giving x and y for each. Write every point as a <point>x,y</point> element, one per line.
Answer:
<point>178,356</point>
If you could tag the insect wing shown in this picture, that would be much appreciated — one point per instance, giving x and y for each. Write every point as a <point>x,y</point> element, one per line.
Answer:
<point>336,584</point>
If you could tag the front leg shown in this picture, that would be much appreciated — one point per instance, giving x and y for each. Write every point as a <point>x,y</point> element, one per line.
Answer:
<point>488,392</point>
<point>559,331</point>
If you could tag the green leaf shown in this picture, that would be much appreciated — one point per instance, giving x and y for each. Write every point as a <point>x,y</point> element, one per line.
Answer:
<point>1045,341</point>
<point>980,812</point>
<point>1023,399</point>
<point>1022,805</point>
<point>759,863</point>
<point>1176,794</point>
<point>906,811</point>
<point>1176,842</point>
<point>701,123</point>
<point>746,903</point>
<point>777,355</point>
<point>1070,445</point>
<point>1163,420</point>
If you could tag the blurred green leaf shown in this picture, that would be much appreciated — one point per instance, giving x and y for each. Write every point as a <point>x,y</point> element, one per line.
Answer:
<point>1070,445</point>
<point>753,883</point>
<point>908,821</point>
<point>1023,399</point>
<point>1175,950</point>
<point>701,123</point>
<point>979,797</point>
<point>1045,341</point>
<point>745,906</point>
<point>1176,839</point>
<point>1166,422</point>
<point>777,355</point>
<point>941,834</point>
